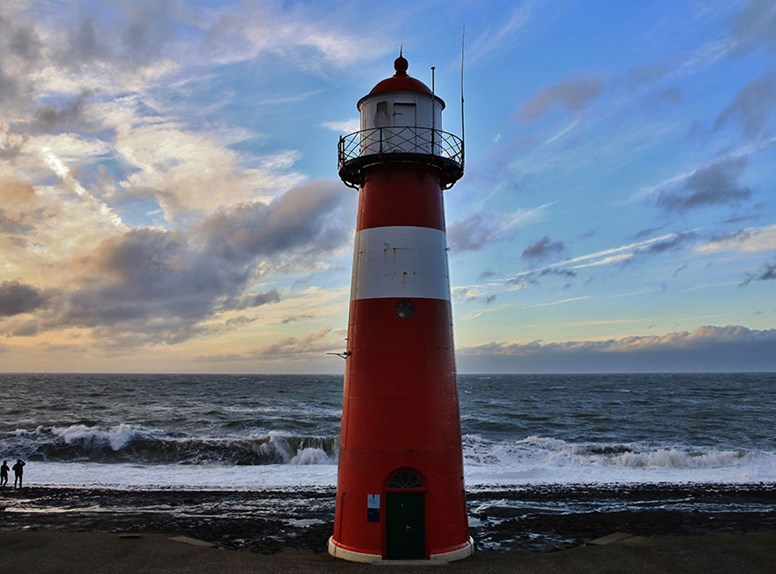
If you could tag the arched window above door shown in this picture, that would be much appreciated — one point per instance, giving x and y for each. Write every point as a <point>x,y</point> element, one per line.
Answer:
<point>405,478</point>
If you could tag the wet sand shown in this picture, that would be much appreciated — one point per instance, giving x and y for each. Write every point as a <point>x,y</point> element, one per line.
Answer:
<point>663,528</point>
<point>79,552</point>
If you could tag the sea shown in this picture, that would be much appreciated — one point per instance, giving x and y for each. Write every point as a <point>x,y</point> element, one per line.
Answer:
<point>254,432</point>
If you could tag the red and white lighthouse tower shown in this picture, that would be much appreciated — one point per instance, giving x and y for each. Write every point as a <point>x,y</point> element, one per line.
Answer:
<point>400,490</point>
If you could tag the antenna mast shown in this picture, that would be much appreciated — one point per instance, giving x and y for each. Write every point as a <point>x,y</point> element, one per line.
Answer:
<point>463,137</point>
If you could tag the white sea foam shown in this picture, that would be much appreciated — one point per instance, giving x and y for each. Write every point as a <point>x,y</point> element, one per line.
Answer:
<point>518,429</point>
<point>180,476</point>
<point>548,460</point>
<point>117,437</point>
<point>532,461</point>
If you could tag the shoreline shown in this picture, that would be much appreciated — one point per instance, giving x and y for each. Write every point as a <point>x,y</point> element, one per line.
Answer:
<point>535,519</point>
<point>683,529</point>
<point>78,552</point>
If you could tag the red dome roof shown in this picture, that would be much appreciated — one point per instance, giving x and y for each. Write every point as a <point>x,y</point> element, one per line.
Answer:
<point>400,81</point>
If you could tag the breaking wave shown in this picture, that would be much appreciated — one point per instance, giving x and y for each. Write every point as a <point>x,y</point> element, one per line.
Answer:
<point>125,443</point>
<point>553,460</point>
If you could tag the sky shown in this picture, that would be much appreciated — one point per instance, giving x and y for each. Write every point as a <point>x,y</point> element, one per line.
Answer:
<point>169,199</point>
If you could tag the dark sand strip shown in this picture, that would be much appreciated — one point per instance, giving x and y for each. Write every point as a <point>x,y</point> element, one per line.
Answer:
<point>80,552</point>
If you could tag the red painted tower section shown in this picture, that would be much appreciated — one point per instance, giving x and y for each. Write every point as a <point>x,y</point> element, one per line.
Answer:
<point>400,489</point>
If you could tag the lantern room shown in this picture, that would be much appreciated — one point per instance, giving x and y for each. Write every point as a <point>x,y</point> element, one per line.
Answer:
<point>400,121</point>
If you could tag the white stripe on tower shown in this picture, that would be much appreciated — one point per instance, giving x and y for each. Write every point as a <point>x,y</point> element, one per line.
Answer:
<point>400,261</point>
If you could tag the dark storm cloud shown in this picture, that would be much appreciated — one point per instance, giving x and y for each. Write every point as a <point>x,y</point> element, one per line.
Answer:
<point>17,298</point>
<point>714,184</point>
<point>709,348</point>
<point>152,285</point>
<point>573,95</point>
<point>543,248</point>
<point>755,27</point>
<point>752,107</point>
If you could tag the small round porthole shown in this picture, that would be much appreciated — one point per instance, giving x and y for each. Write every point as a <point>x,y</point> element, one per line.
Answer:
<point>405,309</point>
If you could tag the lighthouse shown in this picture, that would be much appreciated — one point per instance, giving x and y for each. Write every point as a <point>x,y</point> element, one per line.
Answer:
<point>400,488</point>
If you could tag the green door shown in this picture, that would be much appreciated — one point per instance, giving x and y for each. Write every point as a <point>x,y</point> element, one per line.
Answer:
<point>405,526</point>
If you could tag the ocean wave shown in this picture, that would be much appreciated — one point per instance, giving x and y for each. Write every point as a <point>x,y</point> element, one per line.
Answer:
<point>126,443</point>
<point>554,454</point>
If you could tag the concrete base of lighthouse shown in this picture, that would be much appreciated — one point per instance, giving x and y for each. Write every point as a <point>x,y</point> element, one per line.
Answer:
<point>464,551</point>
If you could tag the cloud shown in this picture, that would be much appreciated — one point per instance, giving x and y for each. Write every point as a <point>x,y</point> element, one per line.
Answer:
<point>752,107</point>
<point>344,126</point>
<point>189,173</point>
<point>20,54</point>
<point>672,243</point>
<point>561,301</point>
<point>313,42</point>
<point>747,240</point>
<point>707,348</point>
<point>471,294</point>
<point>714,184</point>
<point>640,76</point>
<point>10,225</point>
<point>479,229</point>
<point>249,300</point>
<point>148,285</point>
<point>491,39</point>
<point>754,27</point>
<point>67,115</point>
<point>17,298</point>
<point>574,95</point>
<point>766,272</point>
<point>296,318</point>
<point>292,349</point>
<point>543,248</point>
<point>611,256</point>
<point>470,234</point>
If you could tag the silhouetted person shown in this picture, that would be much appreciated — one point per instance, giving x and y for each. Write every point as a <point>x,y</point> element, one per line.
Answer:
<point>18,472</point>
<point>4,474</point>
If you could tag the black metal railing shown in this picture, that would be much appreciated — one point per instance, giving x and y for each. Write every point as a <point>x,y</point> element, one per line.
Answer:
<point>409,143</point>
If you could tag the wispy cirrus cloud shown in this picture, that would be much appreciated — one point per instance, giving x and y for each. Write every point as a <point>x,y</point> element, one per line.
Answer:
<point>492,38</point>
<point>610,256</point>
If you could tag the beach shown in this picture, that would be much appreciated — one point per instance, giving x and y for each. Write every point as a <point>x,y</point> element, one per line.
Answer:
<point>103,530</point>
<point>79,552</point>
<point>583,473</point>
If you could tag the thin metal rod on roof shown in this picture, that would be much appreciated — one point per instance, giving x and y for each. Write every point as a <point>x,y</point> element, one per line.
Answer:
<point>463,137</point>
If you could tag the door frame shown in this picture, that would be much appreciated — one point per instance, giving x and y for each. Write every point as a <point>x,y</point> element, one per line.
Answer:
<point>415,489</point>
